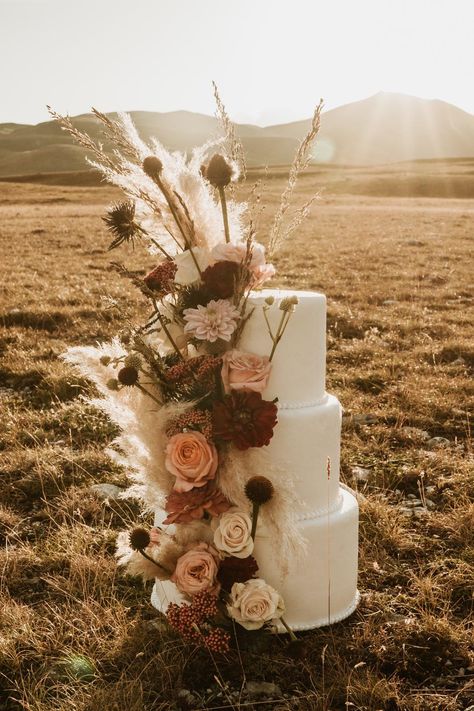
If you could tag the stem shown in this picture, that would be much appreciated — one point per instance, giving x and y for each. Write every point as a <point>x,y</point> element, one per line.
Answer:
<point>288,629</point>
<point>172,208</point>
<point>256,507</point>
<point>144,390</point>
<point>145,555</point>
<point>278,336</point>
<point>165,329</point>
<point>225,217</point>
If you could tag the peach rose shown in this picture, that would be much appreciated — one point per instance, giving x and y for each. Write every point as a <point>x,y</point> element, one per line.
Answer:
<point>245,371</point>
<point>196,570</point>
<point>232,535</point>
<point>254,603</point>
<point>191,459</point>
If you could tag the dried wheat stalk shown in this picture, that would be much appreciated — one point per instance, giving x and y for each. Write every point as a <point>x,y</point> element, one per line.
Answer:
<point>234,145</point>
<point>278,233</point>
<point>83,139</point>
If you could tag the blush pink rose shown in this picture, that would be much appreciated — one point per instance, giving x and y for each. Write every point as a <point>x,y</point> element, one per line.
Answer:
<point>196,570</point>
<point>191,459</point>
<point>245,371</point>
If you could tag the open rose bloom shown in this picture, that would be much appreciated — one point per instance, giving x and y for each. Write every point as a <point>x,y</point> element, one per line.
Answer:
<point>254,603</point>
<point>196,570</point>
<point>233,533</point>
<point>191,459</point>
<point>245,371</point>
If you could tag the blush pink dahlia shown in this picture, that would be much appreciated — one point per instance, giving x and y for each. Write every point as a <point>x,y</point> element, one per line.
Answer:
<point>208,323</point>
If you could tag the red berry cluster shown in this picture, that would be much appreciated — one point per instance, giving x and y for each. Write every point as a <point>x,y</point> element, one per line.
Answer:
<point>217,640</point>
<point>186,619</point>
<point>200,420</point>
<point>201,368</point>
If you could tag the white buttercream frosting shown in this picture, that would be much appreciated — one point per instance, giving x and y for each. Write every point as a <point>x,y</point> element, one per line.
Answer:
<point>299,362</point>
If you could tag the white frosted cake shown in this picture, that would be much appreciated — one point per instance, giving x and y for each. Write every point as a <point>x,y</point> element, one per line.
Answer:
<point>321,586</point>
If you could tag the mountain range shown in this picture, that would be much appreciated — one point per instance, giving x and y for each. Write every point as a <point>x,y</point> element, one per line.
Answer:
<point>384,128</point>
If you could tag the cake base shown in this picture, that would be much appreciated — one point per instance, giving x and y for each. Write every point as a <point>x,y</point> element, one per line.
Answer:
<point>320,588</point>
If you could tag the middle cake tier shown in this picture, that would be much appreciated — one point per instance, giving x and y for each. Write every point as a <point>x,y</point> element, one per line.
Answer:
<point>305,440</point>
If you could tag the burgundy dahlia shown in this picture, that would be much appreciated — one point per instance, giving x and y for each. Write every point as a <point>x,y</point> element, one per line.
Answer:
<point>236,570</point>
<point>220,279</point>
<point>245,419</point>
<point>161,278</point>
<point>187,506</point>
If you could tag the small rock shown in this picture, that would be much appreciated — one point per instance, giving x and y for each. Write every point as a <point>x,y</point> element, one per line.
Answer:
<point>405,511</point>
<point>416,433</point>
<point>360,474</point>
<point>430,489</point>
<point>107,491</point>
<point>186,698</point>
<point>420,512</point>
<point>458,361</point>
<point>430,504</point>
<point>388,302</point>
<point>411,496</point>
<point>262,688</point>
<point>438,443</point>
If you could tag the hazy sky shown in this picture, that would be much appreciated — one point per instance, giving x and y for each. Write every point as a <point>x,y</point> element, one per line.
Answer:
<point>272,59</point>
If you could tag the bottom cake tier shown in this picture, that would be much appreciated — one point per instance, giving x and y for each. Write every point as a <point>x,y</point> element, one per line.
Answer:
<point>321,587</point>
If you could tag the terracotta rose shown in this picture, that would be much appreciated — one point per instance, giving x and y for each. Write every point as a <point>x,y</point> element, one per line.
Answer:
<point>192,459</point>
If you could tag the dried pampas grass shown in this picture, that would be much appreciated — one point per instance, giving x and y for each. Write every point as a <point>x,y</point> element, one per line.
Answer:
<point>142,443</point>
<point>279,233</point>
<point>278,514</point>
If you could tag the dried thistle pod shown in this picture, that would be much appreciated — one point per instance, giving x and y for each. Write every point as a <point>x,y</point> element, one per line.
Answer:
<point>133,360</point>
<point>128,376</point>
<point>152,166</point>
<point>139,539</point>
<point>113,384</point>
<point>259,490</point>
<point>218,171</point>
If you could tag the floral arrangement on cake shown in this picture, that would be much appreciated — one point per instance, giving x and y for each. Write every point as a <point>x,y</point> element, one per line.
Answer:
<point>189,403</point>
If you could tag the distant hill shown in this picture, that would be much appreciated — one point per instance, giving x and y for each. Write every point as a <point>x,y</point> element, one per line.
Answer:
<point>384,128</point>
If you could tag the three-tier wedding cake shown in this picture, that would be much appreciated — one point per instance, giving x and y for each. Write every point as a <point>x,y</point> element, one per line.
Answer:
<point>320,586</point>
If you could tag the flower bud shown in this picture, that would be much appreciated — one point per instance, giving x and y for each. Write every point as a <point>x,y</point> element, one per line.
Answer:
<point>139,539</point>
<point>113,384</point>
<point>259,490</point>
<point>128,376</point>
<point>287,304</point>
<point>105,359</point>
<point>133,360</point>
<point>218,172</point>
<point>270,300</point>
<point>152,166</point>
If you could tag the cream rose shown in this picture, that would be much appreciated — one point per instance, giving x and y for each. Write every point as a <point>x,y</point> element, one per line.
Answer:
<point>187,272</point>
<point>191,459</point>
<point>254,603</point>
<point>232,535</point>
<point>245,371</point>
<point>196,570</point>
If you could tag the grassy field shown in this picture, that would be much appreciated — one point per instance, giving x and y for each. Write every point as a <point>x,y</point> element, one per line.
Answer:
<point>396,273</point>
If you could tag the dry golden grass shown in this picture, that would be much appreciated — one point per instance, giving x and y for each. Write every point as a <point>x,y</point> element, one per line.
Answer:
<point>396,272</point>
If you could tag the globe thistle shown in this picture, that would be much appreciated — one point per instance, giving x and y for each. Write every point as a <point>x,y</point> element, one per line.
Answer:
<point>133,360</point>
<point>105,359</point>
<point>152,166</point>
<point>259,490</point>
<point>139,539</point>
<point>128,376</point>
<point>120,220</point>
<point>218,171</point>
<point>113,384</point>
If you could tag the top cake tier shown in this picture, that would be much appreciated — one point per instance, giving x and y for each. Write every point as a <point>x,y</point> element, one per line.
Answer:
<point>298,375</point>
